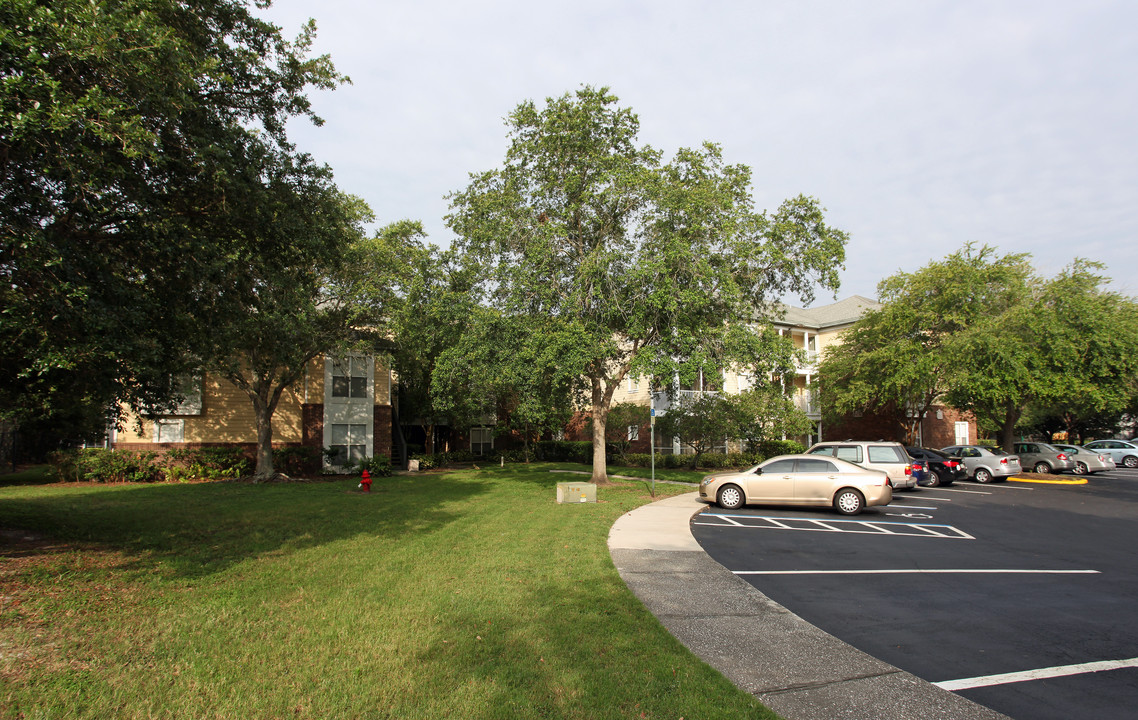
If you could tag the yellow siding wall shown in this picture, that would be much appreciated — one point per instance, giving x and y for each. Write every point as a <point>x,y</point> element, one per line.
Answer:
<point>227,412</point>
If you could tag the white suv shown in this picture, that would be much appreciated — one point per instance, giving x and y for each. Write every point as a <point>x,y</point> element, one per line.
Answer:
<point>888,457</point>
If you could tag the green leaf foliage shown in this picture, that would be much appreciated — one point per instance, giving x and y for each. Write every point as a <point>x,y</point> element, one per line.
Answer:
<point>143,165</point>
<point>985,333</point>
<point>640,266</point>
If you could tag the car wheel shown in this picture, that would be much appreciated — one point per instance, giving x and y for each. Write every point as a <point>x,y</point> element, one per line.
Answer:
<point>1042,468</point>
<point>731,497</point>
<point>982,476</point>
<point>1082,469</point>
<point>1130,461</point>
<point>935,479</point>
<point>849,501</point>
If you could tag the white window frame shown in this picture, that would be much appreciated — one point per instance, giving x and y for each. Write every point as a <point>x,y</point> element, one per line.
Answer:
<point>486,439</point>
<point>355,443</point>
<point>169,430</point>
<point>355,369</point>
<point>191,387</point>
<point>633,433</point>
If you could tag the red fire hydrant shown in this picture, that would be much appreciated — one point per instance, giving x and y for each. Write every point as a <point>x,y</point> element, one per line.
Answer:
<point>365,481</point>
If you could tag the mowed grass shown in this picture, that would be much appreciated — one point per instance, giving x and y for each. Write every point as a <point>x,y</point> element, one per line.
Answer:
<point>466,594</point>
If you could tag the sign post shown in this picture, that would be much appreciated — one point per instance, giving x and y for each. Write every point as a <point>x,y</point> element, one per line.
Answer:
<point>652,449</point>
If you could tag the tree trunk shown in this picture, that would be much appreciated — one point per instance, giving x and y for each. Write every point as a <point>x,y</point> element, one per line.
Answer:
<point>264,469</point>
<point>600,418</point>
<point>1008,431</point>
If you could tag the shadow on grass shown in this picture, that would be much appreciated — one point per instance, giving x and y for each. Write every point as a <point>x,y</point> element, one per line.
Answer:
<point>582,641</point>
<point>199,529</point>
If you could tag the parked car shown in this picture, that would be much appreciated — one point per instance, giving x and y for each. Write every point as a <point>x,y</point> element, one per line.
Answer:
<point>943,469</point>
<point>1043,458</point>
<point>800,480</point>
<point>1087,462</point>
<point>889,457</point>
<point>985,464</point>
<point>1123,452</point>
<point>921,472</point>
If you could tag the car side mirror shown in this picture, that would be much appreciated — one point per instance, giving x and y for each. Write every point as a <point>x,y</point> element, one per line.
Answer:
<point>758,471</point>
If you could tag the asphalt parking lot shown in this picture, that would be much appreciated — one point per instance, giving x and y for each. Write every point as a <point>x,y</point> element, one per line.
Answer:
<point>1018,596</point>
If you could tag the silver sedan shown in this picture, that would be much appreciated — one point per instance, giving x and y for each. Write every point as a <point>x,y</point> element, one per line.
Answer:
<point>1087,462</point>
<point>800,480</point>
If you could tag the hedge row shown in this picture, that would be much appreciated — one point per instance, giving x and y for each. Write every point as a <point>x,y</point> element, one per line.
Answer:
<point>615,453</point>
<point>207,463</point>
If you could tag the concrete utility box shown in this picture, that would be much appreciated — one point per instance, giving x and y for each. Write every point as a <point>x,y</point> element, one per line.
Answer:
<point>571,492</point>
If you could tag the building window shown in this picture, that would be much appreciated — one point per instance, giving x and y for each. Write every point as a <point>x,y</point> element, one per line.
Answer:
<point>633,432</point>
<point>169,431</point>
<point>349,444</point>
<point>190,388</point>
<point>349,377</point>
<point>481,440</point>
<point>633,384</point>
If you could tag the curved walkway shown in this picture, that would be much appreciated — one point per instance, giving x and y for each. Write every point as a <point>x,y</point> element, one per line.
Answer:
<point>791,666</point>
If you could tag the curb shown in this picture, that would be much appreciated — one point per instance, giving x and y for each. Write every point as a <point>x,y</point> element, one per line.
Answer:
<point>789,665</point>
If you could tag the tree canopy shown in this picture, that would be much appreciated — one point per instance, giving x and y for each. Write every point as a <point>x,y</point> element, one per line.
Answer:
<point>143,156</point>
<point>985,333</point>
<point>652,268</point>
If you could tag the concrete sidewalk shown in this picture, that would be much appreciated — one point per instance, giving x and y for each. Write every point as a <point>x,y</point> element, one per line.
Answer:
<point>791,666</point>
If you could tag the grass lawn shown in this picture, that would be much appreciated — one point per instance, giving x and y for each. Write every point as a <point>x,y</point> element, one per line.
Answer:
<point>467,594</point>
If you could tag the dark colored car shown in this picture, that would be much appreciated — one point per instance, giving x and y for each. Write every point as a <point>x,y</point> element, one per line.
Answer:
<point>921,472</point>
<point>943,469</point>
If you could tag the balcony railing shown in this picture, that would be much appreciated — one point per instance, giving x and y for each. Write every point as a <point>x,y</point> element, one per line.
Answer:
<point>807,404</point>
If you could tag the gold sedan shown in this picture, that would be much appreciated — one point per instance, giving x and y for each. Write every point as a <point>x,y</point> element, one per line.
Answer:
<point>807,480</point>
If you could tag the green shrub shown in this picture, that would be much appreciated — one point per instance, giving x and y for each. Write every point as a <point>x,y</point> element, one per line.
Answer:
<point>742,460</point>
<point>218,462</point>
<point>378,466</point>
<point>580,451</point>
<point>635,460</point>
<point>65,464</point>
<point>99,465</point>
<point>712,461</point>
<point>298,459</point>
<point>770,448</point>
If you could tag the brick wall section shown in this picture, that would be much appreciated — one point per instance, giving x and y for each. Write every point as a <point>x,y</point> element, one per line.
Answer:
<point>381,431</point>
<point>942,433</point>
<point>867,427</point>
<point>937,433</point>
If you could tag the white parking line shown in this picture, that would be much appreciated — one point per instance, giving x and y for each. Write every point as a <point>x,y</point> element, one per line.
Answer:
<point>958,490</point>
<point>1041,674</point>
<point>910,507</point>
<point>865,527</point>
<point>1005,486</point>
<point>916,571</point>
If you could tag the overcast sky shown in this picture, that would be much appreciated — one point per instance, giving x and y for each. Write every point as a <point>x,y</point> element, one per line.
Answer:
<point>920,126</point>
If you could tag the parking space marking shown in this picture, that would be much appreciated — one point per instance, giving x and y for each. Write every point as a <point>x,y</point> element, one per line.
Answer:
<point>1005,486</point>
<point>917,571</point>
<point>909,507</point>
<point>863,527</point>
<point>969,492</point>
<point>1041,674</point>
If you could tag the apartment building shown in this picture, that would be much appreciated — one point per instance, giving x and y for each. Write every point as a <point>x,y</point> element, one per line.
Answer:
<point>343,404</point>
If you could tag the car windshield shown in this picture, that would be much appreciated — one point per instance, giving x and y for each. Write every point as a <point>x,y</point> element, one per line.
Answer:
<point>995,450</point>
<point>934,454</point>
<point>1048,448</point>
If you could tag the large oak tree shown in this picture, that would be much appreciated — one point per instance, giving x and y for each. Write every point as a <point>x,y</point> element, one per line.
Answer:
<point>653,268</point>
<point>143,157</point>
